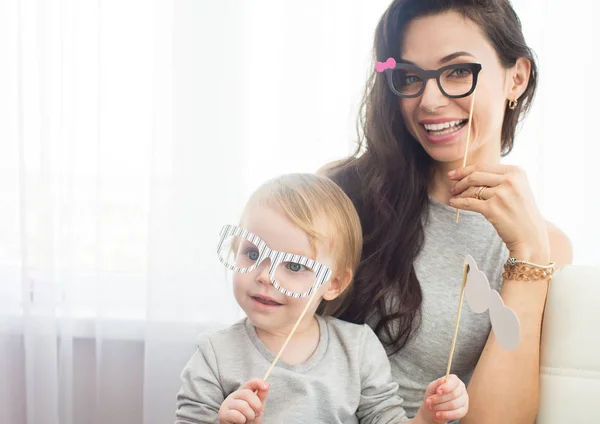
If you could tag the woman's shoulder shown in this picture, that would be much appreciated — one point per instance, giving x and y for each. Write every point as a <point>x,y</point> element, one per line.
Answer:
<point>561,249</point>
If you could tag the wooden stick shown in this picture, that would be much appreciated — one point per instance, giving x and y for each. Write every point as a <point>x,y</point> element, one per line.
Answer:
<point>460,302</point>
<point>468,137</point>
<point>310,300</point>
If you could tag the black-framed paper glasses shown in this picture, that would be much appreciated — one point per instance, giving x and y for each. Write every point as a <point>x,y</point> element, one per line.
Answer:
<point>454,81</point>
<point>293,275</point>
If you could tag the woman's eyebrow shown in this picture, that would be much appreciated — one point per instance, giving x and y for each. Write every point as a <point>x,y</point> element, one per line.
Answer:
<point>443,60</point>
<point>454,56</point>
<point>408,62</point>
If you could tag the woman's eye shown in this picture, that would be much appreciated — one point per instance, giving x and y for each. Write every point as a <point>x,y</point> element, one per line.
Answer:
<point>410,79</point>
<point>461,72</point>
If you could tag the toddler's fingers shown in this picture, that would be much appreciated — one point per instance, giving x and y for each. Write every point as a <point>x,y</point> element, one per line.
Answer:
<point>232,416</point>
<point>262,395</point>
<point>456,414</point>
<point>449,386</point>
<point>250,398</point>
<point>433,386</point>
<point>243,407</point>
<point>437,399</point>
<point>255,384</point>
<point>450,405</point>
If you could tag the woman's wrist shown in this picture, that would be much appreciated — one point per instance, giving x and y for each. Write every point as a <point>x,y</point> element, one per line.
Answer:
<point>537,258</point>
<point>536,254</point>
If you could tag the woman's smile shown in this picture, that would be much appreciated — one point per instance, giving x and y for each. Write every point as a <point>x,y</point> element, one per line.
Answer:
<point>438,131</point>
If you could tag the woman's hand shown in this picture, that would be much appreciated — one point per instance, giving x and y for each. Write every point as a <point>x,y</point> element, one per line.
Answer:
<point>507,202</point>
<point>245,405</point>
<point>444,401</point>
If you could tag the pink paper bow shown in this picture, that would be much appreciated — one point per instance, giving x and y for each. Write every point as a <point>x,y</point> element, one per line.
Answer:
<point>388,64</point>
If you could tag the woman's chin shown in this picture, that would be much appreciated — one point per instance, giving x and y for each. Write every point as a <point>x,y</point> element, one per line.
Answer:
<point>451,152</point>
<point>446,153</point>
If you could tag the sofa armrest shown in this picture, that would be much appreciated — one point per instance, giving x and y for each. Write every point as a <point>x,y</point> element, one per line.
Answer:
<point>570,351</point>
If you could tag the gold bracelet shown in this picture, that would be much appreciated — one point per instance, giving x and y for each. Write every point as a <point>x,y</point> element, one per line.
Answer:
<point>527,271</point>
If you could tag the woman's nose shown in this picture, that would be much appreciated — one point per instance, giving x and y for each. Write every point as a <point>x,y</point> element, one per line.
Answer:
<point>432,97</point>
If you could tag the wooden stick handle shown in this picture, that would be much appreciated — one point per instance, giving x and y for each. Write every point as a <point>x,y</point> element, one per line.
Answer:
<point>310,301</point>
<point>460,301</point>
<point>468,139</point>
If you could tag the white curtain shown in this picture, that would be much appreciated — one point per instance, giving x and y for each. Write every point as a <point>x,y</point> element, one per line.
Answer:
<point>558,145</point>
<point>131,130</point>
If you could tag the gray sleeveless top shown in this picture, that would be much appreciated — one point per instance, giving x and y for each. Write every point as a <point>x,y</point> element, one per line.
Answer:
<point>439,268</point>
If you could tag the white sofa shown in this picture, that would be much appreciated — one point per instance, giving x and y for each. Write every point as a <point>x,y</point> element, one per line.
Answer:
<point>570,356</point>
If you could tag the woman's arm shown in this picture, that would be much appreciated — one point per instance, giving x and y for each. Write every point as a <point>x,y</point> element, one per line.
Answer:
<point>504,387</point>
<point>505,384</point>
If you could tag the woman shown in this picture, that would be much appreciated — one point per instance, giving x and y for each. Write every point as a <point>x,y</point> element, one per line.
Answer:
<point>406,179</point>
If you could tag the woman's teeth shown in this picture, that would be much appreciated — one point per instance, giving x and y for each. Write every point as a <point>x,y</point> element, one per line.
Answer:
<point>445,127</point>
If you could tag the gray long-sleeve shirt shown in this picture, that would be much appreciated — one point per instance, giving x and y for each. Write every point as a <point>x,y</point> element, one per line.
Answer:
<point>346,380</point>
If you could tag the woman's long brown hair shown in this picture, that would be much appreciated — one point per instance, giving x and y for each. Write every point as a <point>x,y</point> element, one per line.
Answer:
<point>387,178</point>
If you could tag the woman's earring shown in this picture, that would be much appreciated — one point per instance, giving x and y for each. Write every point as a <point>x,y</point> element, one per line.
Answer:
<point>512,104</point>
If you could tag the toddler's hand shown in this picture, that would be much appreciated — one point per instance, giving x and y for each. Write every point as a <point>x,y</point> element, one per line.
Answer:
<point>244,406</point>
<point>445,401</point>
